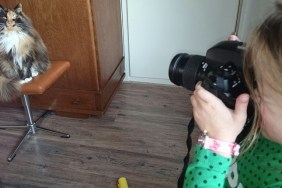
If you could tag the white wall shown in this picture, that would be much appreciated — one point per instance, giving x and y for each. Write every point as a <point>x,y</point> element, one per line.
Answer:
<point>156,30</point>
<point>254,11</point>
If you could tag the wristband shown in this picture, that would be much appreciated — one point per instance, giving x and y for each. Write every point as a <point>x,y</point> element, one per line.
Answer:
<point>218,145</point>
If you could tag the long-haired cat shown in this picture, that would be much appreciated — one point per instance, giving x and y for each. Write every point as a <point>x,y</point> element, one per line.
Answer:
<point>22,52</point>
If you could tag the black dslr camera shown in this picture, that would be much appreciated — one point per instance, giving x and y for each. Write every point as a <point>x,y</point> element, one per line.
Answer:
<point>220,71</point>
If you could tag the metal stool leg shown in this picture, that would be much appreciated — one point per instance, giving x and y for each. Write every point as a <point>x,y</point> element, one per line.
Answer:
<point>31,127</point>
<point>28,113</point>
<point>18,146</point>
<point>63,135</point>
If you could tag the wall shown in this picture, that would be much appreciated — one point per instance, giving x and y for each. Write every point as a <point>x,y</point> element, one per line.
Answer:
<point>253,12</point>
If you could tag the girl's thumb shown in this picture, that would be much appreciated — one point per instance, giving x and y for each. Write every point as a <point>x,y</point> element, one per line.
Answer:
<point>241,105</point>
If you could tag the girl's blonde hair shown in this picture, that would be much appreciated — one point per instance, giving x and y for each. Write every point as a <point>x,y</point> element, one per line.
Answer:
<point>263,65</point>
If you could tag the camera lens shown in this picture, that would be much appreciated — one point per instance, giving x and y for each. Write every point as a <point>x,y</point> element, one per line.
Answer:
<point>176,67</point>
<point>184,70</point>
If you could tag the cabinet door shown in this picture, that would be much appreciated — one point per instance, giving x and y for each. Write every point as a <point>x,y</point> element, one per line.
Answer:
<point>66,27</point>
<point>159,29</point>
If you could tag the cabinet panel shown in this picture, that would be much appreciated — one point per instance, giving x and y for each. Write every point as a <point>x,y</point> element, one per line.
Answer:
<point>63,99</point>
<point>108,32</point>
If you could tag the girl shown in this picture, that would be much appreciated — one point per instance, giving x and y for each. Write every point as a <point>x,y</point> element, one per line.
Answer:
<point>215,162</point>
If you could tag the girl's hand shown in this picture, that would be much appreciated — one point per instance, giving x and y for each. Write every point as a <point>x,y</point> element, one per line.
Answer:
<point>212,115</point>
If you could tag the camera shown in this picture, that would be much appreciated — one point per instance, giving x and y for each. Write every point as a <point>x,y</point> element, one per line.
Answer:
<point>220,71</point>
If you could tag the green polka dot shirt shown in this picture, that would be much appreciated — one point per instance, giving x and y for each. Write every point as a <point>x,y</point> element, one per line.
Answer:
<point>260,166</point>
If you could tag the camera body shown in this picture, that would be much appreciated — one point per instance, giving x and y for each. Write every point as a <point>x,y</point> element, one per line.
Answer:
<point>220,71</point>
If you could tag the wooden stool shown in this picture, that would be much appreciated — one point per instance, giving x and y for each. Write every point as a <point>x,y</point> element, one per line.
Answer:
<point>38,85</point>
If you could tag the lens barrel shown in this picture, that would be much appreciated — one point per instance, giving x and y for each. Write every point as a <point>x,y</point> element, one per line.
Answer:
<point>184,70</point>
<point>176,68</point>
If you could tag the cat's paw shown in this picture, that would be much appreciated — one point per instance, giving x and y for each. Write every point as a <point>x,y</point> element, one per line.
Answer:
<point>34,73</point>
<point>25,80</point>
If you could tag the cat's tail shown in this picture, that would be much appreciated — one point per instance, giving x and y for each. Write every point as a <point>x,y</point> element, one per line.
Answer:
<point>10,89</point>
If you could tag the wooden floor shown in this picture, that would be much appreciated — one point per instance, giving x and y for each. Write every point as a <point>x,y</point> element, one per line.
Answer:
<point>142,137</point>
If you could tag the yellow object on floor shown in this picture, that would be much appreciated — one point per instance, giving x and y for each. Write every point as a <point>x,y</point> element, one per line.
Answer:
<point>122,183</point>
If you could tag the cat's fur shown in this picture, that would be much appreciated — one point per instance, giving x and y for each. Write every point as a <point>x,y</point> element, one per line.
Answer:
<point>22,51</point>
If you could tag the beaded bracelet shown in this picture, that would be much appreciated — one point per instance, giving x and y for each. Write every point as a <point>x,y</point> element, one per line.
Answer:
<point>218,145</point>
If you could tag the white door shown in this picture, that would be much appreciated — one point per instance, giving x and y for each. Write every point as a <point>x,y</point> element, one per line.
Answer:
<point>156,30</point>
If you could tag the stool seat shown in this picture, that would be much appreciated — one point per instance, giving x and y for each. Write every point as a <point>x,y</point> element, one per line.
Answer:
<point>40,83</point>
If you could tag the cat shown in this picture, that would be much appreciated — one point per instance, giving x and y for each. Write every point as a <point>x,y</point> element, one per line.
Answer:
<point>23,53</point>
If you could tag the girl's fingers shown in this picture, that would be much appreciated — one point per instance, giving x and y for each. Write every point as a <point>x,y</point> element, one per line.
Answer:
<point>204,94</point>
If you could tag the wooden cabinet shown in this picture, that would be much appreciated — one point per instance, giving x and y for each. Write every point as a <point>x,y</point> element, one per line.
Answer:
<point>88,34</point>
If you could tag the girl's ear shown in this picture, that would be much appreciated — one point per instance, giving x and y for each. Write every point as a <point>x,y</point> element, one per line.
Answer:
<point>257,95</point>
<point>18,9</point>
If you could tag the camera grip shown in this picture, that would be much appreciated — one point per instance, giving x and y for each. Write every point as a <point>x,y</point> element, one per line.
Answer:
<point>218,92</point>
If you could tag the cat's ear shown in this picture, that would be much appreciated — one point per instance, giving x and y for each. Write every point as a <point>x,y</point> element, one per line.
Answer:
<point>2,10</point>
<point>19,8</point>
